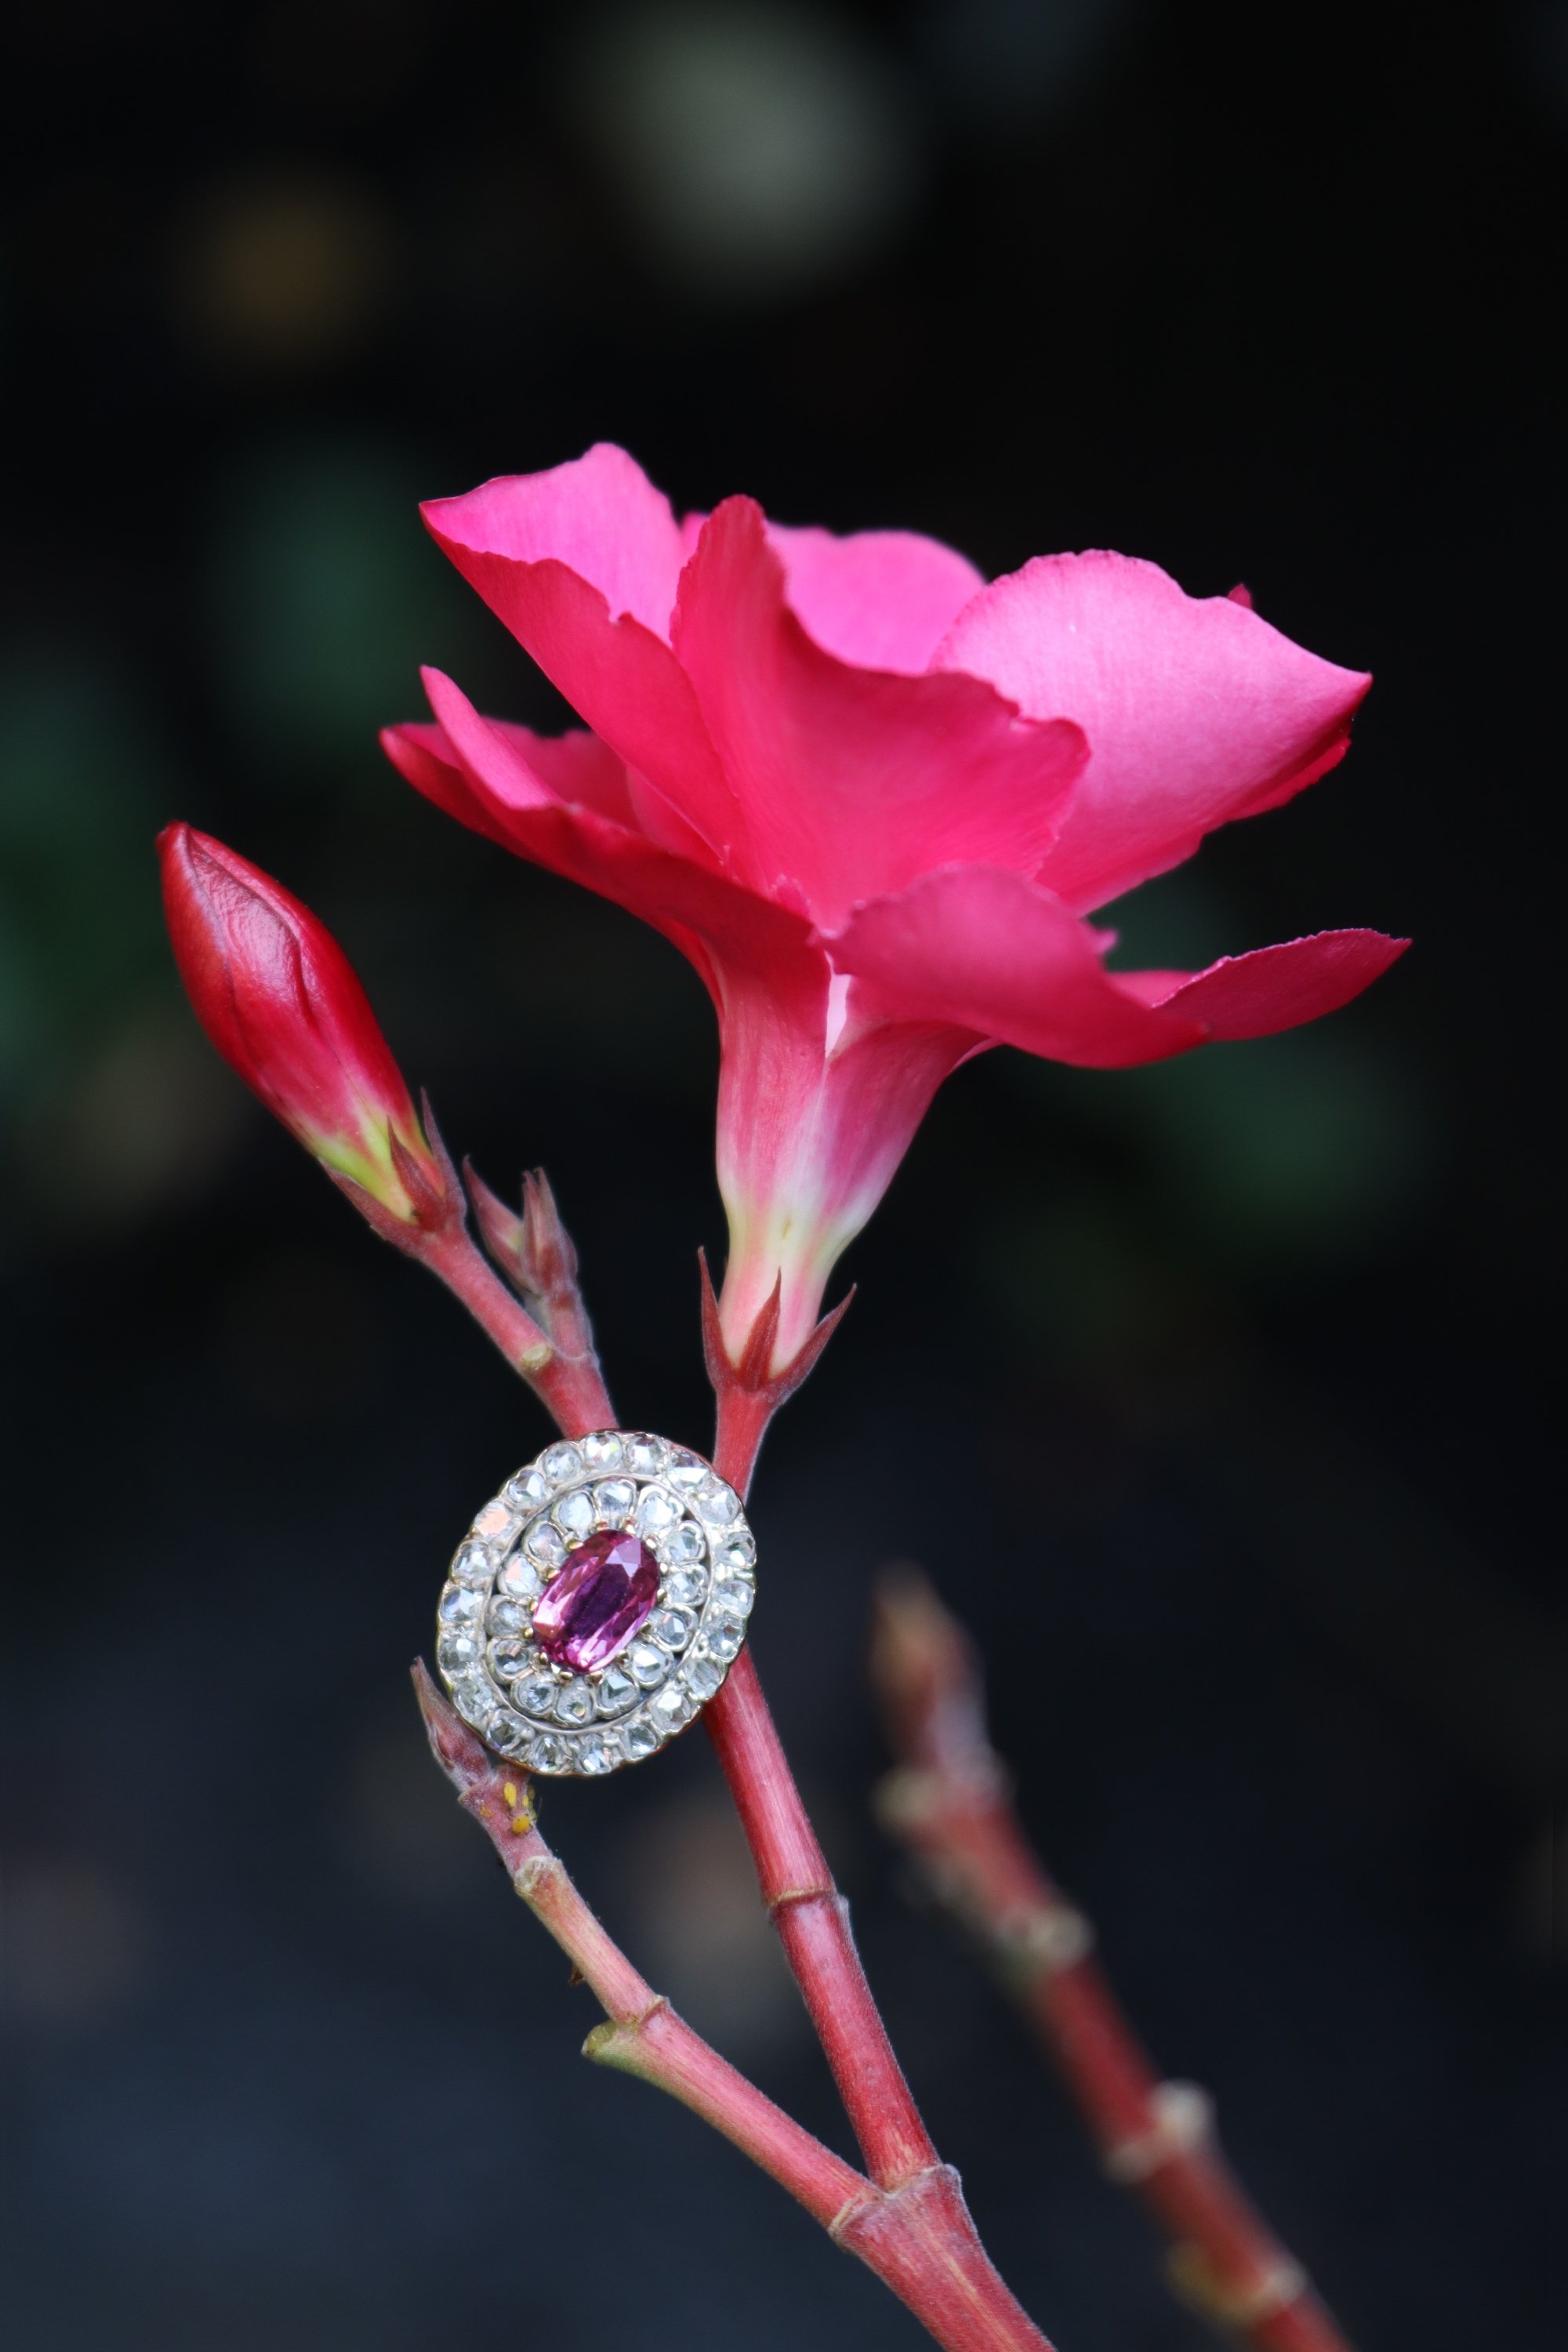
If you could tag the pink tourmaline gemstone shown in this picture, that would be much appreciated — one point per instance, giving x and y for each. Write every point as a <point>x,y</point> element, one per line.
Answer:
<point>602,1593</point>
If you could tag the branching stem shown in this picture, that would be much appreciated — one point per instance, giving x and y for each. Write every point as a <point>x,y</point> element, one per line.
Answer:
<point>570,1387</point>
<point>908,2221</point>
<point>918,2238</point>
<point>948,1802</point>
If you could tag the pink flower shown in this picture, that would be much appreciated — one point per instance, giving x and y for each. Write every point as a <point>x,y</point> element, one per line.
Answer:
<point>280,1001</point>
<point>873,800</point>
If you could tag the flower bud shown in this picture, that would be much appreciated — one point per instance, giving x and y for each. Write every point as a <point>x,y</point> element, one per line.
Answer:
<point>280,1001</point>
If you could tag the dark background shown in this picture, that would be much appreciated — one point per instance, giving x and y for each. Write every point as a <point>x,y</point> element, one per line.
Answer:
<point>1214,1395</point>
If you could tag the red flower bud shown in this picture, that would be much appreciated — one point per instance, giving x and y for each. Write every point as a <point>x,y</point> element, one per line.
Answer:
<point>280,1001</point>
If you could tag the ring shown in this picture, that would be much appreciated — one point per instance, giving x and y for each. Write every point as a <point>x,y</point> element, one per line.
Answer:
<point>596,1603</point>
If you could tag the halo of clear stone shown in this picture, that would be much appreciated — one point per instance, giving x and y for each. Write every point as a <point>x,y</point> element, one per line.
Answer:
<point>546,1717</point>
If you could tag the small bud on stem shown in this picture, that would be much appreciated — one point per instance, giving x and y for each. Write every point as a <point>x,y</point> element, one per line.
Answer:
<point>539,1258</point>
<point>280,1001</point>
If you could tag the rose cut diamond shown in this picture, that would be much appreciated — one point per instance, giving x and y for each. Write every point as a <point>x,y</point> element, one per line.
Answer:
<point>526,1491</point>
<point>657,1511</point>
<point>705,1676</point>
<point>518,1579</point>
<point>574,1513</point>
<point>494,1523</point>
<point>614,1690</point>
<point>546,1544</point>
<point>613,1501</point>
<point>575,1703</point>
<point>648,1665</point>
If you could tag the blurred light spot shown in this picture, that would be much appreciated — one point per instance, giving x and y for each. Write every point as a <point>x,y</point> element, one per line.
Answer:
<point>1304,1147</point>
<point>81,780</point>
<point>77,1945</point>
<point>345,58</point>
<point>298,1335</point>
<point>116,1102</point>
<point>324,600</point>
<point>760,148</point>
<point>1003,61</point>
<point>701,1922</point>
<point>286,268</point>
<point>147,1121</point>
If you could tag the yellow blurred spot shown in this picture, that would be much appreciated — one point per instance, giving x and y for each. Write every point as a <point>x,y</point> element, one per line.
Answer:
<point>289,268</point>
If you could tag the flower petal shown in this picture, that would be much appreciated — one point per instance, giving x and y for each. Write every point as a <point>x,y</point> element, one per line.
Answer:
<point>851,782</point>
<point>521,544</point>
<point>576,767</point>
<point>579,769</point>
<point>807,1140</point>
<point>1279,987</point>
<point>1002,955</point>
<point>1196,710</point>
<point>880,599</point>
<point>486,775</point>
<point>995,953</point>
<point>600,516</point>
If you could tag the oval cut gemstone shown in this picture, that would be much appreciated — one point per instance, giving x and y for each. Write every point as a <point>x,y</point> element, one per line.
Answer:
<point>604,1593</point>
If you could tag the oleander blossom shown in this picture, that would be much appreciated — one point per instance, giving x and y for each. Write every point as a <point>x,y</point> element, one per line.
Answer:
<point>874,799</point>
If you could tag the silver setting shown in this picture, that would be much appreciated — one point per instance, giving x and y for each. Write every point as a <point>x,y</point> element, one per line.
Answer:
<point>545,1717</point>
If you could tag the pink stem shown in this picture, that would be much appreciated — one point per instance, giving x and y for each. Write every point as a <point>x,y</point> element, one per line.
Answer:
<point>918,2238</point>
<point>913,2228</point>
<point>810,1915</point>
<point>570,1387</point>
<point>812,1923</point>
<point>805,1906</point>
<point>948,1802</point>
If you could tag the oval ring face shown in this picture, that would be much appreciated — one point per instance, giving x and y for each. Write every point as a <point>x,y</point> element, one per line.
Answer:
<point>596,1603</point>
